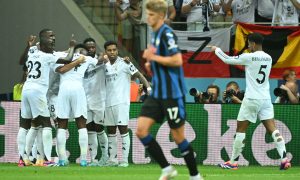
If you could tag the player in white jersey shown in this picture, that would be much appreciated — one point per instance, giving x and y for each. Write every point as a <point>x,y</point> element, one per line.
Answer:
<point>94,86</point>
<point>257,100</point>
<point>72,103</point>
<point>117,76</point>
<point>34,102</point>
<point>25,125</point>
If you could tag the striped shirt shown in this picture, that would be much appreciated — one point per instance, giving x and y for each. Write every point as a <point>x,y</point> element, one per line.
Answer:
<point>168,82</point>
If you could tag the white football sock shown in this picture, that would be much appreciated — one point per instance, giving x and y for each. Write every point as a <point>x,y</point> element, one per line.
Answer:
<point>39,145</point>
<point>21,141</point>
<point>280,144</point>
<point>125,146</point>
<point>30,138</point>
<point>47,142</point>
<point>112,147</point>
<point>238,146</point>
<point>93,144</point>
<point>103,141</point>
<point>83,143</point>
<point>61,139</point>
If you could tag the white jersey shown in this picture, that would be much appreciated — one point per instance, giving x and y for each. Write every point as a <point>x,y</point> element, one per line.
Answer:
<point>285,13</point>
<point>75,75</point>
<point>265,8</point>
<point>54,77</point>
<point>257,68</point>
<point>94,86</point>
<point>38,64</point>
<point>243,10</point>
<point>195,15</point>
<point>117,78</point>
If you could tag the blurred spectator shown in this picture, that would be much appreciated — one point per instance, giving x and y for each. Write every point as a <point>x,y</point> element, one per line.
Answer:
<point>264,11</point>
<point>130,19</point>
<point>288,92</point>
<point>217,15</point>
<point>211,95</point>
<point>285,12</point>
<point>289,75</point>
<point>232,94</point>
<point>129,16</point>
<point>242,10</point>
<point>17,92</point>
<point>194,12</point>
<point>134,90</point>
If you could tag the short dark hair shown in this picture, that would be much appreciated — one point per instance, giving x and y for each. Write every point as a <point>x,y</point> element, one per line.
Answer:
<point>213,86</point>
<point>43,31</point>
<point>88,40</point>
<point>256,38</point>
<point>80,46</point>
<point>232,83</point>
<point>108,43</point>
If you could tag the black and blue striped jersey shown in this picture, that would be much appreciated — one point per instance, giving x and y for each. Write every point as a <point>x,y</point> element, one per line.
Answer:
<point>167,82</point>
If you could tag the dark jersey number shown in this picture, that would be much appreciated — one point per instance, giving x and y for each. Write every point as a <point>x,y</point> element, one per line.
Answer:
<point>36,67</point>
<point>261,71</point>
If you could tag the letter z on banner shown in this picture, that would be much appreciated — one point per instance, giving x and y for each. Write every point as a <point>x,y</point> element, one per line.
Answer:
<point>198,60</point>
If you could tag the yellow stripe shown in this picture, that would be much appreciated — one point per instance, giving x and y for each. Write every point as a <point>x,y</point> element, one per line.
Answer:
<point>291,54</point>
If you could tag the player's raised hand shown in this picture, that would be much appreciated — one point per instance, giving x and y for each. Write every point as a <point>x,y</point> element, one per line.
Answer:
<point>103,58</point>
<point>126,59</point>
<point>31,40</point>
<point>72,41</point>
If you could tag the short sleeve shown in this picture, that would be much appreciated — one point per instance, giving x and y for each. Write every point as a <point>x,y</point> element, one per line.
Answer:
<point>131,68</point>
<point>169,41</point>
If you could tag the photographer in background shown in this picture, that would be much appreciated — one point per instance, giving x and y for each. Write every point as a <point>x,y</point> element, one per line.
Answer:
<point>288,93</point>
<point>211,95</point>
<point>232,94</point>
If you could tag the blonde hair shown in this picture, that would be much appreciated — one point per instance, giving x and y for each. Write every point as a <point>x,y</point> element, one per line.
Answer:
<point>158,6</point>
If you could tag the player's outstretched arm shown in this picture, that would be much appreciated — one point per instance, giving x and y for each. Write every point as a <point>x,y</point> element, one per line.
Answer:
<point>234,60</point>
<point>67,67</point>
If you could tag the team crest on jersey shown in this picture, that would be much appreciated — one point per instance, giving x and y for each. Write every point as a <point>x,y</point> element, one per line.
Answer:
<point>172,43</point>
<point>131,68</point>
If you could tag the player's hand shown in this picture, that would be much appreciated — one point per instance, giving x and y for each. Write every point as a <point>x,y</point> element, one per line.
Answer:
<point>72,41</point>
<point>149,53</point>
<point>213,48</point>
<point>31,40</point>
<point>126,59</point>
<point>103,58</point>
<point>140,88</point>
<point>148,67</point>
<point>81,59</point>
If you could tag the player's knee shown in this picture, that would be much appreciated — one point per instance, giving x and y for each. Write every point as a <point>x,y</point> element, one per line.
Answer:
<point>140,132</point>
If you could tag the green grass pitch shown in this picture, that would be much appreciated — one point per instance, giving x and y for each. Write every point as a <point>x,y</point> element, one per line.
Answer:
<point>142,172</point>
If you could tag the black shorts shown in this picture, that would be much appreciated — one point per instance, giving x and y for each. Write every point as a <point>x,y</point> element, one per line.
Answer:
<point>158,109</point>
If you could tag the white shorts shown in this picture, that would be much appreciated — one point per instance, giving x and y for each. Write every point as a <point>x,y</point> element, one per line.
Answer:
<point>251,109</point>
<point>96,116</point>
<point>34,104</point>
<point>52,105</point>
<point>71,102</point>
<point>117,115</point>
